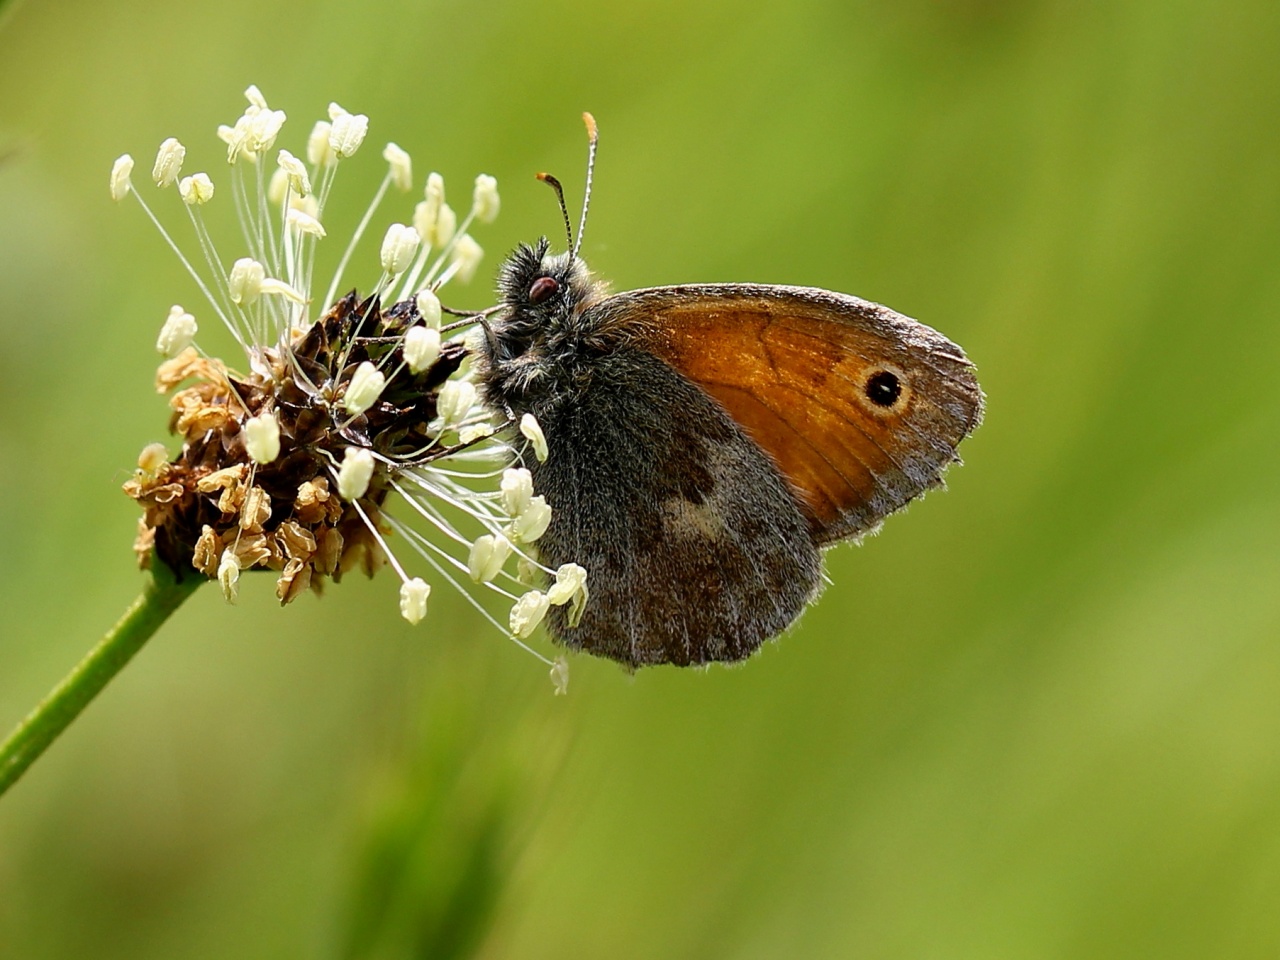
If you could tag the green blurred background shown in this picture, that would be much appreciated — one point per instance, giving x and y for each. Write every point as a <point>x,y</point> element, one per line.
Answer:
<point>1038,717</point>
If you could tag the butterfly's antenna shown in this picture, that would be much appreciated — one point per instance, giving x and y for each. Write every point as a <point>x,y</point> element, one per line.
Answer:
<point>593,137</point>
<point>554,184</point>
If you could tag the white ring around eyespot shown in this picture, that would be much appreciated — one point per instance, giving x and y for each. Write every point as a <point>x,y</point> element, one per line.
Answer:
<point>904,385</point>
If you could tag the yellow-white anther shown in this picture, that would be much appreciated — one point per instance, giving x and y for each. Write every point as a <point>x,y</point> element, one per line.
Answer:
<point>262,438</point>
<point>532,522</point>
<point>168,162</point>
<point>527,613</point>
<point>413,599</point>
<point>421,347</point>
<point>570,581</point>
<point>488,555</point>
<point>278,288</point>
<point>347,132</point>
<point>177,333</point>
<point>229,575</point>
<point>245,281</point>
<point>195,190</point>
<point>446,225</point>
<point>263,128</point>
<point>455,401</point>
<point>364,389</point>
<point>401,166</point>
<point>278,186</point>
<point>475,431</point>
<point>433,193</point>
<point>304,223</point>
<point>429,308</point>
<point>430,217</point>
<point>467,254</point>
<point>532,430</point>
<point>319,153</point>
<point>398,248</point>
<point>560,676</point>
<point>296,173</point>
<point>355,473</point>
<point>254,95</point>
<point>516,489</point>
<point>484,200</point>
<point>120,173</point>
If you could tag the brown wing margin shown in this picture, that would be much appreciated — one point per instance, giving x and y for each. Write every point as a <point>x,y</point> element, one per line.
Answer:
<point>792,366</point>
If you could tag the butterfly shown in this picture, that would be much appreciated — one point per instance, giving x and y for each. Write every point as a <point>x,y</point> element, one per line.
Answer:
<point>706,442</point>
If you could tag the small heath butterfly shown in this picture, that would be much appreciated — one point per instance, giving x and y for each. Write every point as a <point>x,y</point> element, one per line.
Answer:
<point>707,442</point>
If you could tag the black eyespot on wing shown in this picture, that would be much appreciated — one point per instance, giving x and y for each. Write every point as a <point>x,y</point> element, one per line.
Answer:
<point>543,289</point>
<point>883,388</point>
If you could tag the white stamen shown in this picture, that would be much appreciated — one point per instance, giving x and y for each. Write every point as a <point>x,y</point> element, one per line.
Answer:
<point>348,131</point>
<point>255,97</point>
<point>319,153</point>
<point>429,308</point>
<point>237,138</point>
<point>455,400</point>
<point>245,281</point>
<point>560,676</point>
<point>120,172</point>
<point>401,166</point>
<point>308,205</point>
<point>355,473</point>
<point>475,431</point>
<point>304,223</point>
<point>278,186</point>
<point>488,554</point>
<point>433,194</point>
<point>196,190</point>
<point>398,247</point>
<point>484,202</point>
<point>177,333</point>
<point>531,429</point>
<point>445,226</point>
<point>262,438</point>
<point>532,522</point>
<point>168,162</point>
<point>273,287</point>
<point>526,570</point>
<point>467,255</point>
<point>421,347</point>
<point>528,613</point>
<point>264,126</point>
<point>229,576</point>
<point>296,171</point>
<point>364,389</point>
<point>570,579</point>
<point>424,221</point>
<point>516,490</point>
<point>413,599</point>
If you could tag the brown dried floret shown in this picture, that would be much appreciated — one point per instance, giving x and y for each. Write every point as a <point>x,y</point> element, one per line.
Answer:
<point>208,552</point>
<point>284,515</point>
<point>295,578</point>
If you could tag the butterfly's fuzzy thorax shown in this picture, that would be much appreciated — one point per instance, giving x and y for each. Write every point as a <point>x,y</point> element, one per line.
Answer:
<point>535,345</point>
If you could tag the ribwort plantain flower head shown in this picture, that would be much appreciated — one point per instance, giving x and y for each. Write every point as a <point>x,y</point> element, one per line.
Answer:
<point>351,422</point>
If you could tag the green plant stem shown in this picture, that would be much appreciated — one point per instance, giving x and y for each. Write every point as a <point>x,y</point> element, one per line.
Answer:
<point>162,595</point>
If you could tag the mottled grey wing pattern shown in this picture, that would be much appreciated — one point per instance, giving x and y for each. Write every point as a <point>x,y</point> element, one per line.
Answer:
<point>695,549</point>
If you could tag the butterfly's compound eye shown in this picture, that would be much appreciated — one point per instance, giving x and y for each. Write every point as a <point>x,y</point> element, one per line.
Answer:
<point>543,289</point>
